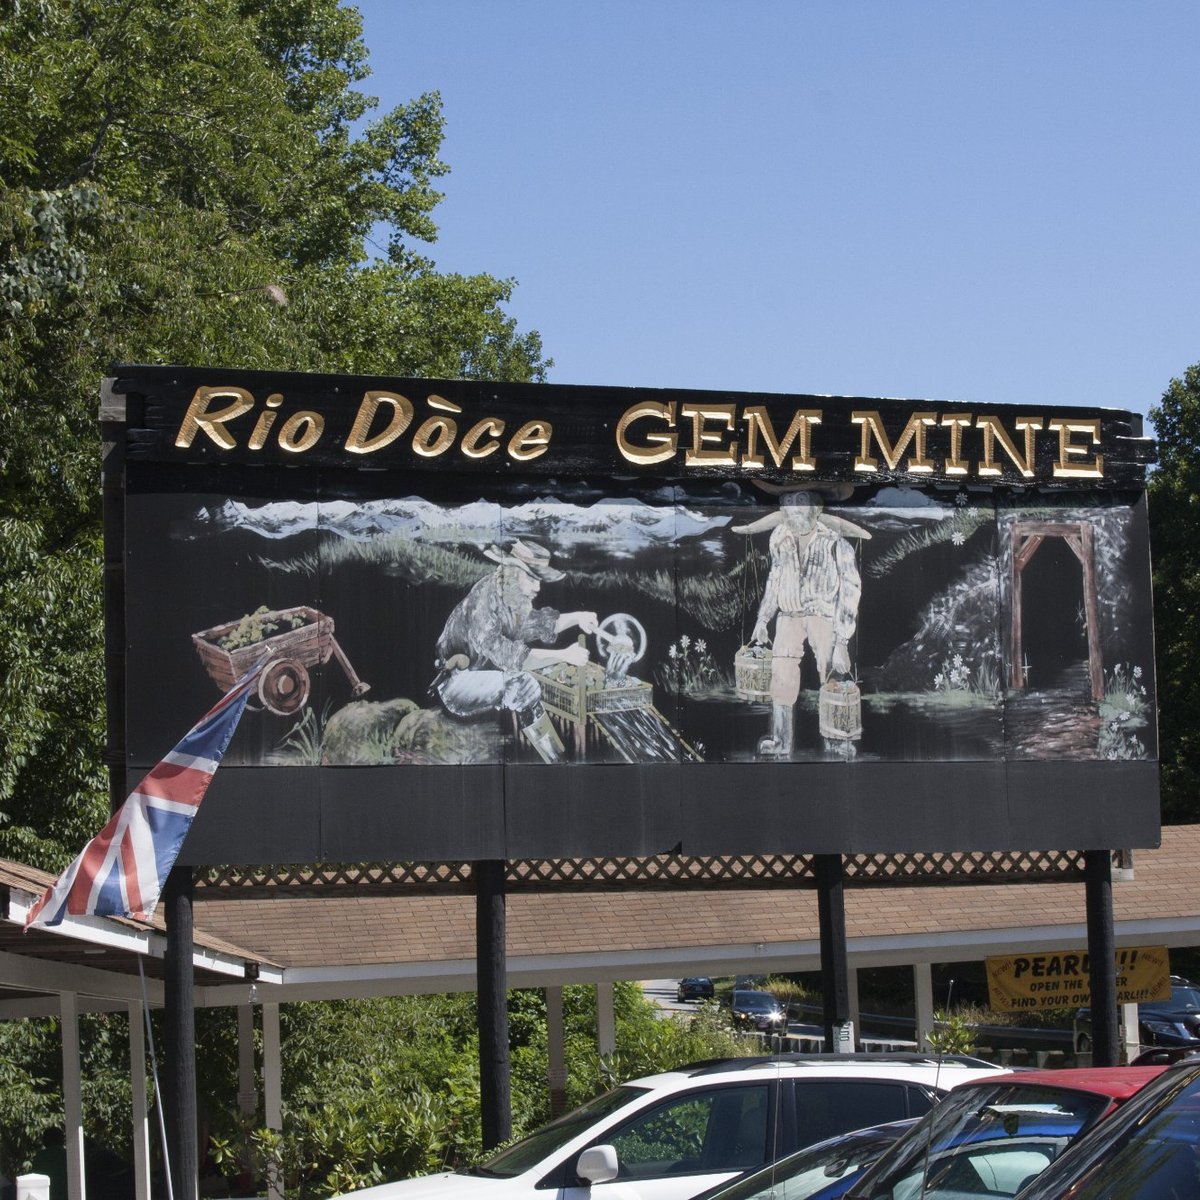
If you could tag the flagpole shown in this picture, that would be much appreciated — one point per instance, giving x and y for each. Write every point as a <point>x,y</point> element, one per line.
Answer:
<point>158,1096</point>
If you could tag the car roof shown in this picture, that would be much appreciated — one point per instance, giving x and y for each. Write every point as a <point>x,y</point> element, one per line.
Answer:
<point>921,1068</point>
<point>1118,1082</point>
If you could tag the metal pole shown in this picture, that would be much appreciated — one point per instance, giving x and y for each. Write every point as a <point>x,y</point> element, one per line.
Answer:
<point>1102,957</point>
<point>179,1005</point>
<point>112,495</point>
<point>835,972</point>
<point>495,1088</point>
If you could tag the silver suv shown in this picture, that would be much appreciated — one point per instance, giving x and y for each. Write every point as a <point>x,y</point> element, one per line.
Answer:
<point>672,1136</point>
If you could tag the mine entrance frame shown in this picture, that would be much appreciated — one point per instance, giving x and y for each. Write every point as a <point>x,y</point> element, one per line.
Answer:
<point>1027,536</point>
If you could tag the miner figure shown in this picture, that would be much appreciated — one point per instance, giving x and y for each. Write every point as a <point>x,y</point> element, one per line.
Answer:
<point>812,594</point>
<point>485,654</point>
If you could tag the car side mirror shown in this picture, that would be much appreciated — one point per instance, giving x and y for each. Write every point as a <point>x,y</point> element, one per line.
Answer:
<point>597,1164</point>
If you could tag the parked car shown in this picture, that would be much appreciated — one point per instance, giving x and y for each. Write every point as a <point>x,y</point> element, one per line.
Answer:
<point>1173,1022</point>
<point>695,987</point>
<point>672,1136</point>
<point>994,1137</point>
<point>1148,1151</point>
<point>759,1011</point>
<point>821,1172</point>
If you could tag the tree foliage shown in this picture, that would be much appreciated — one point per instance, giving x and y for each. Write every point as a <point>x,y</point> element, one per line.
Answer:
<point>191,181</point>
<point>1174,520</point>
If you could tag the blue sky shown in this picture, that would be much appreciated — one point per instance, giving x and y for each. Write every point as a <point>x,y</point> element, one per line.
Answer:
<point>989,202</point>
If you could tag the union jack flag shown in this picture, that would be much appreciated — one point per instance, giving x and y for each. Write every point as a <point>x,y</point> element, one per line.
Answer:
<point>121,871</point>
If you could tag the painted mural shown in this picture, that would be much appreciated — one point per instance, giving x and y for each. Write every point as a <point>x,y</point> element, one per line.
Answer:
<point>580,623</point>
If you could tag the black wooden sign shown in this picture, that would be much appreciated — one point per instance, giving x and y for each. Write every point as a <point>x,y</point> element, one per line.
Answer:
<point>504,621</point>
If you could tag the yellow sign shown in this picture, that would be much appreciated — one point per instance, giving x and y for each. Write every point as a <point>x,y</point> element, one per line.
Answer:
<point>1028,982</point>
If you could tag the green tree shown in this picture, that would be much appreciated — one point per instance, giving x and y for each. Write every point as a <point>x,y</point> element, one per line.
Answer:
<point>1174,520</point>
<point>382,1089</point>
<point>189,181</point>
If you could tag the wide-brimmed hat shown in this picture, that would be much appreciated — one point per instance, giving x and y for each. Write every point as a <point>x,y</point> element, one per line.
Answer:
<point>530,557</point>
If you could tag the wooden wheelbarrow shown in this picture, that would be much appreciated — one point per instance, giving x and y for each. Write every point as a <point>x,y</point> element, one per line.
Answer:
<point>305,640</point>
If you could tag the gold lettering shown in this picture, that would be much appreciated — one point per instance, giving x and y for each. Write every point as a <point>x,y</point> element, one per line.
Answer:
<point>531,441</point>
<point>1064,468</point>
<point>434,436</point>
<point>258,439</point>
<point>956,423</point>
<point>470,443</point>
<point>723,414</point>
<point>199,416</point>
<point>301,431</point>
<point>441,403</point>
<point>801,425</point>
<point>402,414</point>
<point>994,431</point>
<point>914,431</point>
<point>659,446</point>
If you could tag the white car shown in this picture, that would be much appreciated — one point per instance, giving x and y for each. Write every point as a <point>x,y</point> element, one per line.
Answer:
<point>672,1136</point>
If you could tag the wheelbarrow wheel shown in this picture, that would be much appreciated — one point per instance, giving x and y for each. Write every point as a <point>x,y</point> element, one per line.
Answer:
<point>283,687</point>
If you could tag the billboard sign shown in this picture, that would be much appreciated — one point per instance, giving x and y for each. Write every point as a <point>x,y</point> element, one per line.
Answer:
<point>1033,982</point>
<point>531,621</point>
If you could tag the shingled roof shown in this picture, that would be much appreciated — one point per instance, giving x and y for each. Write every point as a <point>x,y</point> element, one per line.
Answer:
<point>302,945</point>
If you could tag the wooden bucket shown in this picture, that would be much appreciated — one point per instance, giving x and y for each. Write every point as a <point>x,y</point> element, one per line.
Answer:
<point>840,710</point>
<point>752,674</point>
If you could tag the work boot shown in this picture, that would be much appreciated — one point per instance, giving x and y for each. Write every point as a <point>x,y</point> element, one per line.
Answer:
<point>778,743</point>
<point>543,737</point>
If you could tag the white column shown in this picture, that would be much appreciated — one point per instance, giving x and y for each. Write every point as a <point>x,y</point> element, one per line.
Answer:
<point>852,1001</point>
<point>68,1007</point>
<point>557,1064</point>
<point>247,1081</point>
<point>606,1023</point>
<point>141,1112</point>
<point>923,986</point>
<point>272,1082</point>
<point>1131,1041</point>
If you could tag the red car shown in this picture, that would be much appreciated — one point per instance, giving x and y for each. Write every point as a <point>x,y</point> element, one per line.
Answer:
<point>995,1136</point>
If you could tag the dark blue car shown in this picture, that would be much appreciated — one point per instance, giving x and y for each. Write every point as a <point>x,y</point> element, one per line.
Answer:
<point>821,1172</point>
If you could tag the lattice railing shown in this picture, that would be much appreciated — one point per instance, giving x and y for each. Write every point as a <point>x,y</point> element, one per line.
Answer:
<point>666,871</point>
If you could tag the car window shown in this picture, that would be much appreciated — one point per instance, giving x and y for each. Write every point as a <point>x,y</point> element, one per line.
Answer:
<point>531,1150</point>
<point>720,1129</point>
<point>827,1107</point>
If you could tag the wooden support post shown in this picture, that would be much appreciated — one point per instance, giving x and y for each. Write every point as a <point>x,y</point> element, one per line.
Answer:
<point>556,1066</point>
<point>606,1024</point>
<point>272,1085</point>
<point>180,1013</point>
<point>835,988</point>
<point>68,1009</point>
<point>923,990</point>
<point>1102,954</point>
<point>495,1086</point>
<point>141,1110</point>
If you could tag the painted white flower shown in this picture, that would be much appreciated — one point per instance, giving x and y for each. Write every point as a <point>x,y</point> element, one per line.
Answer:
<point>958,537</point>
<point>1137,672</point>
<point>939,680</point>
<point>701,645</point>
<point>958,661</point>
<point>672,652</point>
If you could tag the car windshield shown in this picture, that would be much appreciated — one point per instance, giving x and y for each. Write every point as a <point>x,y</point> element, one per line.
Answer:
<point>808,1173</point>
<point>992,1140</point>
<point>1186,998</point>
<point>756,1002</point>
<point>532,1150</point>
